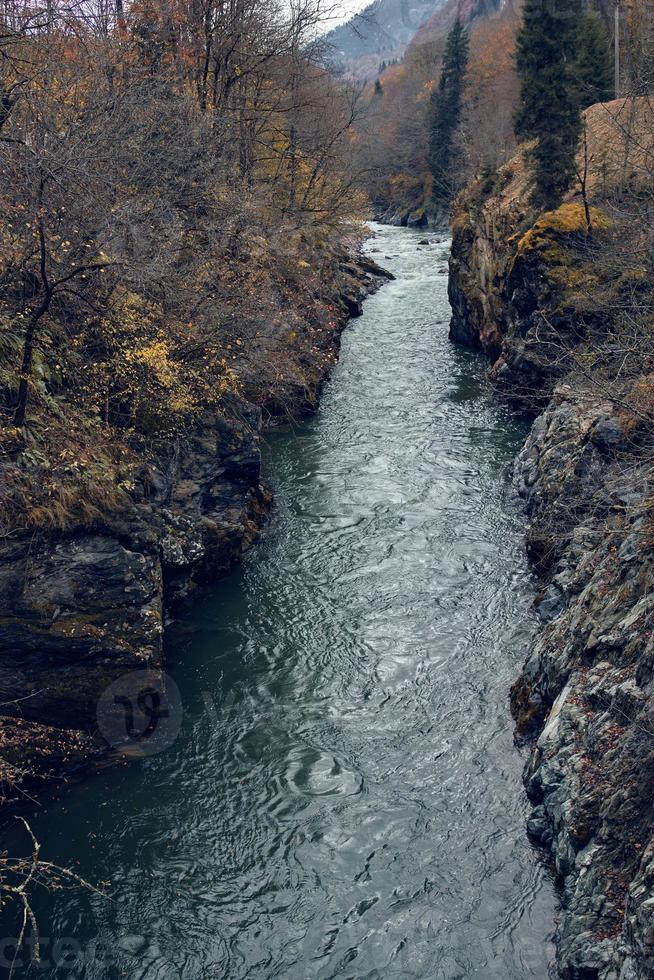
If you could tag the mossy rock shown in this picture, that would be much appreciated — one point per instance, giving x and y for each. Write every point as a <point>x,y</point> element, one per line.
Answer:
<point>582,278</point>
<point>553,227</point>
<point>558,251</point>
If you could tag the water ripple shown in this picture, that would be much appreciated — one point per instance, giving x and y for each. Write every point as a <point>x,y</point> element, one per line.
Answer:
<point>351,806</point>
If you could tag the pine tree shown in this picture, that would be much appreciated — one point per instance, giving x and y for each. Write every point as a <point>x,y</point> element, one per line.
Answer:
<point>445,110</point>
<point>594,64</point>
<point>549,111</point>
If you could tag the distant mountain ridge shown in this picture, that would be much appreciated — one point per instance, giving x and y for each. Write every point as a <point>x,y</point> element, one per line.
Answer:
<point>382,29</point>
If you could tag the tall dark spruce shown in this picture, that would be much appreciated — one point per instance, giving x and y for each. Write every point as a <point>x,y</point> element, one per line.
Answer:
<point>564,63</point>
<point>594,64</point>
<point>445,112</point>
<point>549,110</point>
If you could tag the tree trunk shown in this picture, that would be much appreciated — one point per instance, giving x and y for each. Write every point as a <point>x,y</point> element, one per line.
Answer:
<point>28,355</point>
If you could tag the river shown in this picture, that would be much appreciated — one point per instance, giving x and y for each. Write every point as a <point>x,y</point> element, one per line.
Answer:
<point>344,798</point>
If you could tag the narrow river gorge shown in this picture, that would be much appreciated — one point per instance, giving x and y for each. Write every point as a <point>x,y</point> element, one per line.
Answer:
<point>344,798</point>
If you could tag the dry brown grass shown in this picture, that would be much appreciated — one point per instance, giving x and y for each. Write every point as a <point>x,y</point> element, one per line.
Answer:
<point>620,137</point>
<point>61,474</point>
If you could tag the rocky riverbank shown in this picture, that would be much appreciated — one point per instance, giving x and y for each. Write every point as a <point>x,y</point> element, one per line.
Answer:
<point>82,606</point>
<point>540,296</point>
<point>424,217</point>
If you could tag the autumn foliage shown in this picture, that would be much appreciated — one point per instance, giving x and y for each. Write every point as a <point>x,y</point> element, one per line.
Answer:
<point>170,173</point>
<point>398,139</point>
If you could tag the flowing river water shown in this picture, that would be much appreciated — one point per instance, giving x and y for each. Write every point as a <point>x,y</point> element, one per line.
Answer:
<point>344,798</point>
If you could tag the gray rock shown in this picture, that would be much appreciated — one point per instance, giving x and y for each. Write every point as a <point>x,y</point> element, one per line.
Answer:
<point>607,435</point>
<point>552,603</point>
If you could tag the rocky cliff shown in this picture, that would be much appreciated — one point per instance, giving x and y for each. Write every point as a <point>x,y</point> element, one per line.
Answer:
<point>82,606</point>
<point>545,298</point>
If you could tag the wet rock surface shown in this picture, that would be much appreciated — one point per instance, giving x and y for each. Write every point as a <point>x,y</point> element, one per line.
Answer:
<point>585,696</point>
<point>587,688</point>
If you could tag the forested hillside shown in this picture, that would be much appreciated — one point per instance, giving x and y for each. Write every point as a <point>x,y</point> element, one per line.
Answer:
<point>407,99</point>
<point>403,106</point>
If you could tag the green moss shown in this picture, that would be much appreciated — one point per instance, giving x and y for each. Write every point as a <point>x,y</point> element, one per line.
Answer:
<point>579,278</point>
<point>634,281</point>
<point>567,221</point>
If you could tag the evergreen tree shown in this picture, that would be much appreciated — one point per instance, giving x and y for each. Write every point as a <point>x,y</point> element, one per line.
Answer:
<point>548,111</point>
<point>594,63</point>
<point>379,88</point>
<point>445,110</point>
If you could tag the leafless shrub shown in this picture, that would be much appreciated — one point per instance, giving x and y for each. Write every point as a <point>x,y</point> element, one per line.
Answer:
<point>19,876</point>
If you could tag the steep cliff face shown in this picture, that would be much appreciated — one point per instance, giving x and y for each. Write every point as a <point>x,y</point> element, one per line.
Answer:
<point>587,685</point>
<point>528,291</point>
<point>510,284</point>
<point>81,607</point>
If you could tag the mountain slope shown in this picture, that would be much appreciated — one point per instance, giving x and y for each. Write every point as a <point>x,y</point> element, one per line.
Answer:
<point>383,30</point>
